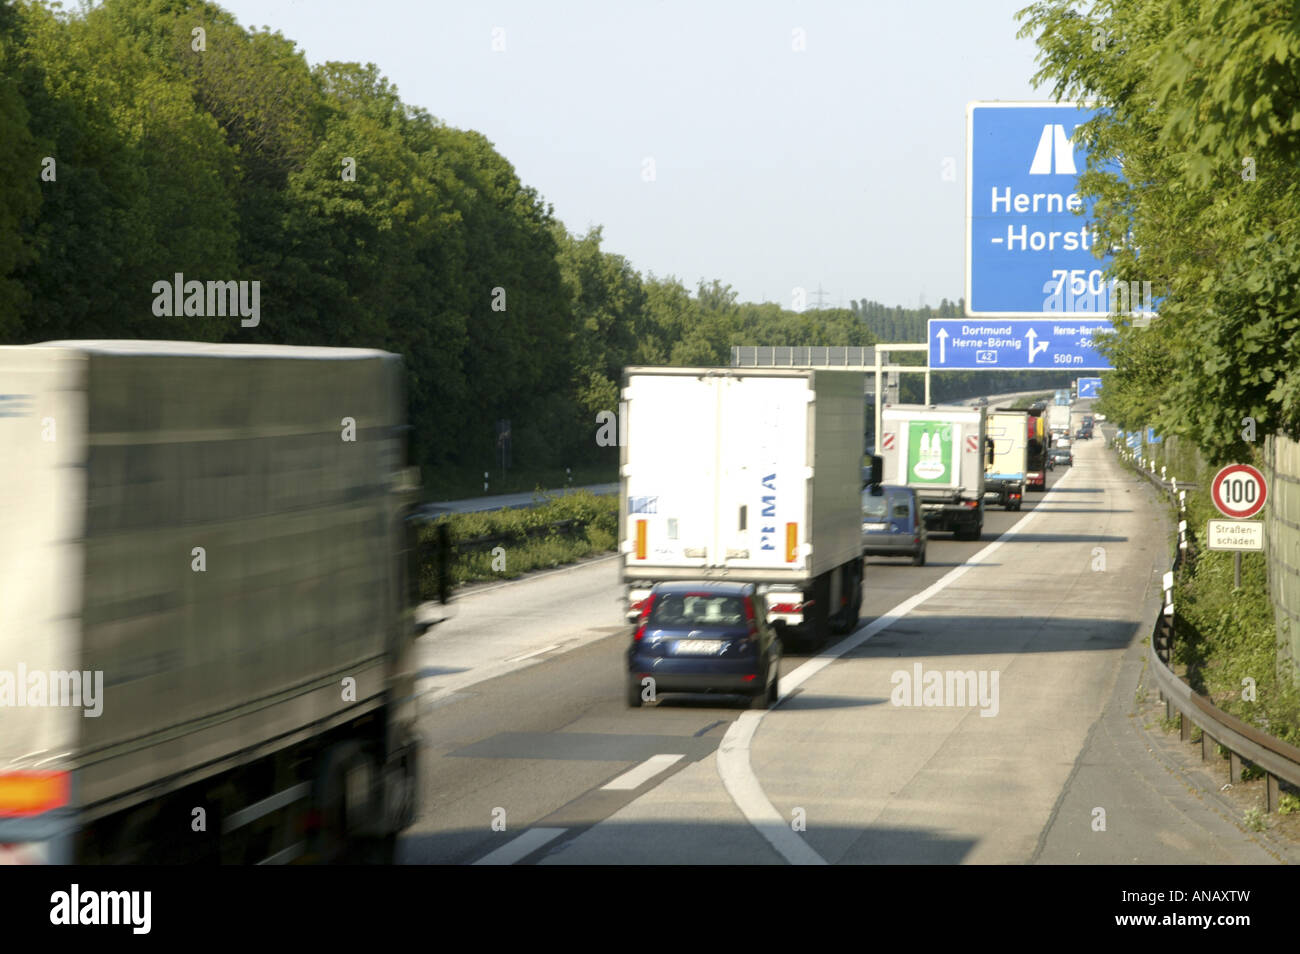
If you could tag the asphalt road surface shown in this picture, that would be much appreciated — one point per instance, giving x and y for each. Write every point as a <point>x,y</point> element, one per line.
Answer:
<point>533,757</point>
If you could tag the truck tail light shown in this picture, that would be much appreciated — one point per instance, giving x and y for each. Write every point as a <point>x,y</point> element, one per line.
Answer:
<point>791,541</point>
<point>787,608</point>
<point>640,539</point>
<point>32,793</point>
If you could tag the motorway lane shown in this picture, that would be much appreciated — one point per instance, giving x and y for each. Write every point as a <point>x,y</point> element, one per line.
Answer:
<point>523,712</point>
<point>538,745</point>
<point>869,781</point>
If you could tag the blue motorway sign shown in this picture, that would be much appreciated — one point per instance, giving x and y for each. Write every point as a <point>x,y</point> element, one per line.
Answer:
<point>1153,437</point>
<point>1089,387</point>
<point>1016,344</point>
<point>1027,252</point>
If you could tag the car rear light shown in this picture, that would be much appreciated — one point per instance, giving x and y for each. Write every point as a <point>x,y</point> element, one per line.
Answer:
<point>648,602</point>
<point>749,617</point>
<point>970,503</point>
<point>25,853</point>
<point>640,539</point>
<point>32,793</point>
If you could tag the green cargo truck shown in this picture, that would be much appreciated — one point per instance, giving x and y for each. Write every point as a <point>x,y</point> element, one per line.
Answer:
<point>940,451</point>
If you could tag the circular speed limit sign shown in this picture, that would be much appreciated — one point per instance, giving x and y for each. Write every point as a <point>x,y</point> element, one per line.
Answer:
<point>1239,491</point>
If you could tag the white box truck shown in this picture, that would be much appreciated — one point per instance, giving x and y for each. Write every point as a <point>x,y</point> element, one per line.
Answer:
<point>1005,470</point>
<point>749,475</point>
<point>1058,421</point>
<point>208,578</point>
<point>940,451</point>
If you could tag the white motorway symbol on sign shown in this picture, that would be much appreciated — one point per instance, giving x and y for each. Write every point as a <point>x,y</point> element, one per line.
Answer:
<point>1235,535</point>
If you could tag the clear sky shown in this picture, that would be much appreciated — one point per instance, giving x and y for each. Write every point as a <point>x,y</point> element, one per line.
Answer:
<point>772,167</point>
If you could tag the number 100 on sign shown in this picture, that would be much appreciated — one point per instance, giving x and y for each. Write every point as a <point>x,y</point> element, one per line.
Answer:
<point>1239,491</point>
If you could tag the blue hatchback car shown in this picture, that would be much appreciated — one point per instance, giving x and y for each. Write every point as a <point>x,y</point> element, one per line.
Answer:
<point>893,523</point>
<point>704,637</point>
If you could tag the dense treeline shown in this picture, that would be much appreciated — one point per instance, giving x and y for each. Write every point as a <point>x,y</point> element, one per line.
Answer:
<point>1204,110</point>
<point>137,150</point>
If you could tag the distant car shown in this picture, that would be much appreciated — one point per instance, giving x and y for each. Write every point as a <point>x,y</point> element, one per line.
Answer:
<point>893,524</point>
<point>1061,455</point>
<point>705,637</point>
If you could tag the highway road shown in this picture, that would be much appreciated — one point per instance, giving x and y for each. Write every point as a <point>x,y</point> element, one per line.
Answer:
<point>531,755</point>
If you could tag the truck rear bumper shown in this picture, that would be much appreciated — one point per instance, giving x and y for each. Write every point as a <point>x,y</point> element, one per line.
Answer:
<point>41,840</point>
<point>950,516</point>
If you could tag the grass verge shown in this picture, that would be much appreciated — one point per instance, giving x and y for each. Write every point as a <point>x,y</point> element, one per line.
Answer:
<point>526,538</point>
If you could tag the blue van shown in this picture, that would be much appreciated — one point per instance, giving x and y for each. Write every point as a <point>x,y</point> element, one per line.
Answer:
<point>892,523</point>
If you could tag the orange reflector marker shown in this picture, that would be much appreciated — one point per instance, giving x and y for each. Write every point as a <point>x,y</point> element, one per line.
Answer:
<point>791,541</point>
<point>32,793</point>
<point>640,539</point>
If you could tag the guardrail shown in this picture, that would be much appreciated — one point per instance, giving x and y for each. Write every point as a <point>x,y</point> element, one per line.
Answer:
<point>1280,761</point>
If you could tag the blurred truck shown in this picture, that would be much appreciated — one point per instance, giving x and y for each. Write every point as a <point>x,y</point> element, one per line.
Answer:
<point>1005,468</point>
<point>1036,449</point>
<point>1058,421</point>
<point>940,451</point>
<point>747,475</point>
<point>209,576</point>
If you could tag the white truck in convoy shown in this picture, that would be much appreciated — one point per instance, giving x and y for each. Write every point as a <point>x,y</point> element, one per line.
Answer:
<point>209,584</point>
<point>750,475</point>
<point>1058,421</point>
<point>1005,471</point>
<point>940,451</point>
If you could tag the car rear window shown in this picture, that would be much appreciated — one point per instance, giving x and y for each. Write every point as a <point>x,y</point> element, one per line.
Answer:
<point>873,506</point>
<point>675,609</point>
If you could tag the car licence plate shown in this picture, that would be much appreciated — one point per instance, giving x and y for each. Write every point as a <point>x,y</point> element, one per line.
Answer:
<point>699,647</point>
<point>875,526</point>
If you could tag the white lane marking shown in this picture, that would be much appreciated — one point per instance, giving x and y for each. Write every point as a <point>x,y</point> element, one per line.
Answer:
<point>732,759</point>
<point>535,652</point>
<point>519,847</point>
<point>634,778</point>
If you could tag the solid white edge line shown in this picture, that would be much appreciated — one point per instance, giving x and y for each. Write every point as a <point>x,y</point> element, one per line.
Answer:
<point>732,759</point>
<point>521,846</point>
<point>636,777</point>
